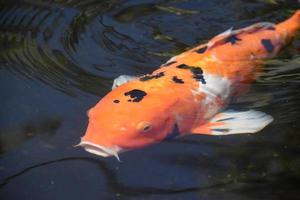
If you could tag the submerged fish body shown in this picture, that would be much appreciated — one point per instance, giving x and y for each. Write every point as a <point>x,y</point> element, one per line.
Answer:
<point>187,93</point>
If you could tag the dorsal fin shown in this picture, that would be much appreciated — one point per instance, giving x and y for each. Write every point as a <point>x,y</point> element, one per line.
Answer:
<point>223,37</point>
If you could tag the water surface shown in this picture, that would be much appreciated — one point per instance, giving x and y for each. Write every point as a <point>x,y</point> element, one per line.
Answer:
<point>58,58</point>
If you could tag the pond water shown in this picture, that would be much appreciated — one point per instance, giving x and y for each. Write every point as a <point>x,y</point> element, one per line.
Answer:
<point>58,58</point>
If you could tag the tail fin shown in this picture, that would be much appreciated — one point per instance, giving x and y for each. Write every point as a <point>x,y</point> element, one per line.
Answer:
<point>290,27</point>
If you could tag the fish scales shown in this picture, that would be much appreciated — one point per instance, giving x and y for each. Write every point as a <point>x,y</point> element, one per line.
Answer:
<point>189,93</point>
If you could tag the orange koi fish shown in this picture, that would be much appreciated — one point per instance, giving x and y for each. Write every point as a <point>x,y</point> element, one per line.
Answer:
<point>188,94</point>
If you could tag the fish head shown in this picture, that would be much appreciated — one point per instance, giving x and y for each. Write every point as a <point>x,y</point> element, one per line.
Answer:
<point>128,118</point>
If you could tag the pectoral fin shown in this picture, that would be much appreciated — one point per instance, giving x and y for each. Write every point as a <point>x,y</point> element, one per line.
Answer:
<point>121,80</point>
<point>235,122</point>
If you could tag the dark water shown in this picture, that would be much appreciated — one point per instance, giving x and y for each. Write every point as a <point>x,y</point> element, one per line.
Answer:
<point>58,58</point>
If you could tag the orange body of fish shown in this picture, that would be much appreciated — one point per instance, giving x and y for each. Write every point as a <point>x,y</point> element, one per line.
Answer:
<point>188,94</point>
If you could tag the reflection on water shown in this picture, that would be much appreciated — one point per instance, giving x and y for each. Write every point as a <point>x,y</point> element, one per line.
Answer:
<point>57,58</point>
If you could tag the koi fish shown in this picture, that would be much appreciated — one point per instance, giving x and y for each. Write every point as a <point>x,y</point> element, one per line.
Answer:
<point>188,94</point>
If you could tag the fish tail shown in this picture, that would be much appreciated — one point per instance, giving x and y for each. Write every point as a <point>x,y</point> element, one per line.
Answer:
<point>290,27</point>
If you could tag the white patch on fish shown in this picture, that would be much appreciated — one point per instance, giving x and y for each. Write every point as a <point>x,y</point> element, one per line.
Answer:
<point>216,88</point>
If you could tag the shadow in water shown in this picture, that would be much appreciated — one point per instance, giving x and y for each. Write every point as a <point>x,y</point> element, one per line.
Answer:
<point>264,167</point>
<point>11,138</point>
<point>111,179</point>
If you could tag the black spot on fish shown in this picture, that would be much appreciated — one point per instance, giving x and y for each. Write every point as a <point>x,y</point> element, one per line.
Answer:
<point>223,130</point>
<point>177,80</point>
<point>116,101</point>
<point>226,119</point>
<point>175,133</point>
<point>201,50</point>
<point>169,63</point>
<point>197,72</point>
<point>267,45</point>
<point>233,39</point>
<point>149,77</point>
<point>183,66</point>
<point>135,95</point>
<point>146,78</point>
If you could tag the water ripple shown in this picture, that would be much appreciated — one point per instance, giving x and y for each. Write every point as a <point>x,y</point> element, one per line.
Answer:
<point>30,43</point>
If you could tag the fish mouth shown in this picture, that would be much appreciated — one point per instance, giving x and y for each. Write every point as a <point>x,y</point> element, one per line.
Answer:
<point>100,150</point>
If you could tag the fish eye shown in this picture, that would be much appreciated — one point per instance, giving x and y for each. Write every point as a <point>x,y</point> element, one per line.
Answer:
<point>147,127</point>
<point>144,127</point>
